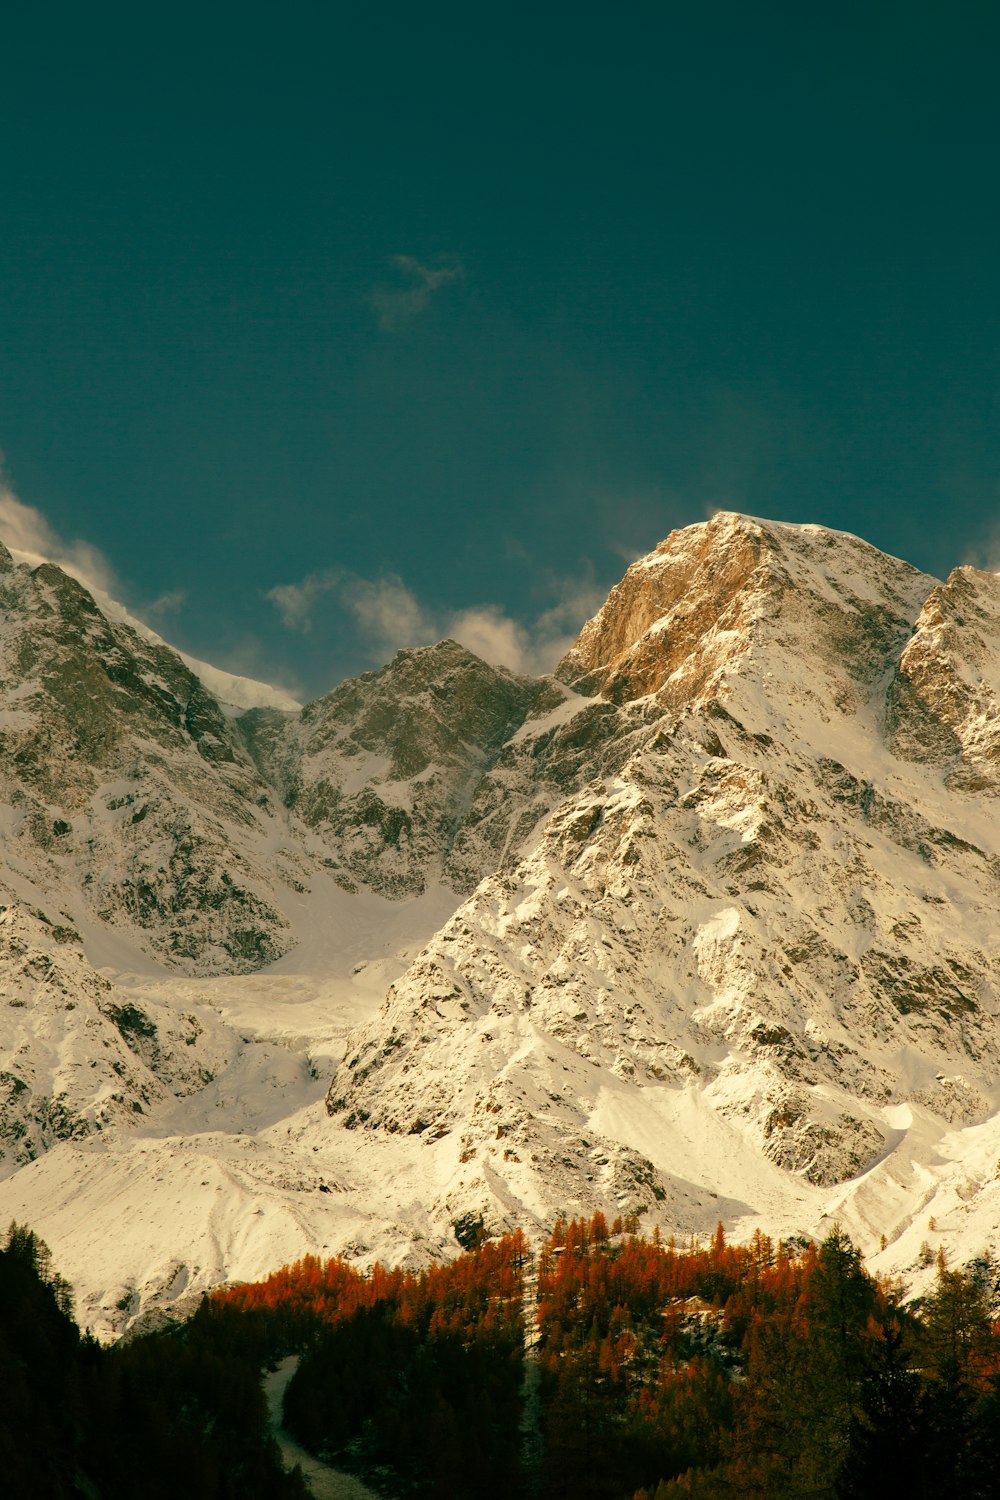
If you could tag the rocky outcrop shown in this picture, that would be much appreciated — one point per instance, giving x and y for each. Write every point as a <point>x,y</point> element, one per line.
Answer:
<point>385,768</point>
<point>720,875</point>
<point>944,701</point>
<point>683,616</point>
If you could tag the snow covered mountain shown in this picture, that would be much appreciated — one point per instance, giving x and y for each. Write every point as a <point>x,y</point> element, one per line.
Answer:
<point>780,903</point>
<point>701,927</point>
<point>385,767</point>
<point>125,790</point>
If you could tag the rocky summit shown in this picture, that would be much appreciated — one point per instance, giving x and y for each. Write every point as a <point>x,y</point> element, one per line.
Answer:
<point>701,926</point>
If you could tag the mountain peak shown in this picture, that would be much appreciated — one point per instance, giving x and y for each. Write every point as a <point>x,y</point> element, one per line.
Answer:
<point>709,593</point>
<point>386,766</point>
<point>728,948</point>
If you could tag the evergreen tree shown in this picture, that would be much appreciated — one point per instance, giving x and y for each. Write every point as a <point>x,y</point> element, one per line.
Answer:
<point>887,1436</point>
<point>960,1402</point>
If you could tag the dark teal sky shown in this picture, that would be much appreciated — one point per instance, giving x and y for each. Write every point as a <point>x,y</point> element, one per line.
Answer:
<point>487,299</point>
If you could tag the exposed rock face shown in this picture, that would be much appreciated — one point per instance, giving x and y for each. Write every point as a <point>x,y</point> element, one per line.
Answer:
<point>682,617</point>
<point>124,781</point>
<point>944,703</point>
<point>740,887</point>
<point>553,755</point>
<point>384,768</point>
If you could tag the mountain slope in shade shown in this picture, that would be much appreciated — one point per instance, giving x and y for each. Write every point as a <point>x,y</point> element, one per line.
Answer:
<point>385,767</point>
<point>227,688</point>
<point>702,927</point>
<point>125,789</point>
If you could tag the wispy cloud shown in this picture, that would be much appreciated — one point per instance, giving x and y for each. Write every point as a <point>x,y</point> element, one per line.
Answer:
<point>984,551</point>
<point>166,604</point>
<point>295,601</point>
<point>389,616</point>
<point>387,613</point>
<point>32,538</point>
<point>535,646</point>
<point>397,303</point>
<point>25,530</point>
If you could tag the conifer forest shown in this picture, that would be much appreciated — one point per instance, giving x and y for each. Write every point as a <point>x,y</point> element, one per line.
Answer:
<point>601,1364</point>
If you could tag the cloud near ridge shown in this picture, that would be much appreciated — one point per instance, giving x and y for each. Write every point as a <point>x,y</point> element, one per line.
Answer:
<point>294,601</point>
<point>984,552</point>
<point>23,529</point>
<point>32,540</point>
<point>389,617</point>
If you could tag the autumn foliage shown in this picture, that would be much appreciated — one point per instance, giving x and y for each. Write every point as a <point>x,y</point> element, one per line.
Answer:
<point>411,1378</point>
<point>604,1364</point>
<point>653,1370</point>
<point>761,1370</point>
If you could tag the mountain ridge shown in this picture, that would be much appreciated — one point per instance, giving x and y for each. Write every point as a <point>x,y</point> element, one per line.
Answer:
<point>700,926</point>
<point>811,1092</point>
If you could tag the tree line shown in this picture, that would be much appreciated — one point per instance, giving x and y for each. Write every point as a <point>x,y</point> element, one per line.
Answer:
<point>153,1419</point>
<point>658,1371</point>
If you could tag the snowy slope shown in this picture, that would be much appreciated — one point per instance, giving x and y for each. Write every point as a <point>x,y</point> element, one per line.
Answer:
<point>760,941</point>
<point>198,1147</point>
<point>704,929</point>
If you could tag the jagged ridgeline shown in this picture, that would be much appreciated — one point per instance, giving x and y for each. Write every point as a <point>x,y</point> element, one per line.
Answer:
<point>762,903</point>
<point>702,924</point>
<point>603,1364</point>
<point>188,823</point>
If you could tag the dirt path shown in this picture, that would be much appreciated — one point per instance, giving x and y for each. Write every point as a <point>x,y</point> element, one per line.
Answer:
<point>325,1483</point>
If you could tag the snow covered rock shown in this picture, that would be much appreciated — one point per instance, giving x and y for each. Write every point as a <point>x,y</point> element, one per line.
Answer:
<point>123,784</point>
<point>752,896</point>
<point>77,1054</point>
<point>944,703</point>
<point>703,926</point>
<point>384,768</point>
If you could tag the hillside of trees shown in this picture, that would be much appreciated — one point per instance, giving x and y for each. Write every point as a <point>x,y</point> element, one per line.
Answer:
<point>761,1371</point>
<point>662,1371</point>
<point>155,1419</point>
<point>412,1379</point>
<point>606,1365</point>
